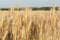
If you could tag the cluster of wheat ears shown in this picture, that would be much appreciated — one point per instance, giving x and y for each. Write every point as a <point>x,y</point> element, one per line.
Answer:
<point>30,25</point>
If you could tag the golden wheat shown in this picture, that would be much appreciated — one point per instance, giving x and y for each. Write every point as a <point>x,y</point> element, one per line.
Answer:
<point>30,25</point>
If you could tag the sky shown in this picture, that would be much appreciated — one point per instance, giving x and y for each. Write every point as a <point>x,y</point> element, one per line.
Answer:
<point>28,3</point>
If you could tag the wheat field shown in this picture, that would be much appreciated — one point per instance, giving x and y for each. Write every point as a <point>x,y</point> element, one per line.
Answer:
<point>30,25</point>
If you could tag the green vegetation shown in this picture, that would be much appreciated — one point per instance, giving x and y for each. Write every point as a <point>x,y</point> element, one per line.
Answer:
<point>33,8</point>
